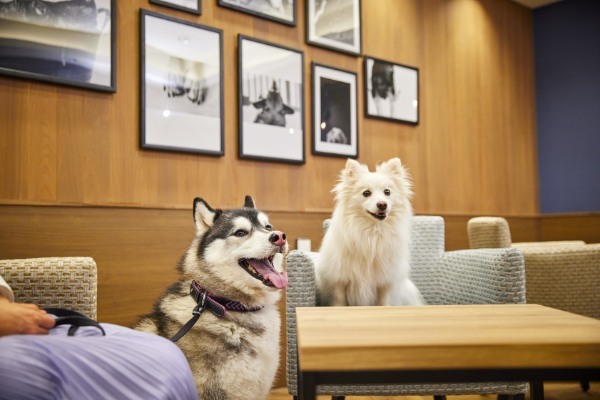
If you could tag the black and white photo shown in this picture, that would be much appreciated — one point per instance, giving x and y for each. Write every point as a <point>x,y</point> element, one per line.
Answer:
<point>334,114</point>
<point>181,85</point>
<point>71,42</point>
<point>334,24</point>
<point>191,6</point>
<point>283,11</point>
<point>271,103</point>
<point>391,91</point>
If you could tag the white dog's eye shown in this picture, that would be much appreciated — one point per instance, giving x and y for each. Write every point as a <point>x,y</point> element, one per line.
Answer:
<point>269,227</point>
<point>366,193</point>
<point>387,192</point>
<point>240,233</point>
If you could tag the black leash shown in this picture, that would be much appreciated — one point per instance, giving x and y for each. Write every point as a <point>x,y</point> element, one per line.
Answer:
<point>214,304</point>
<point>69,317</point>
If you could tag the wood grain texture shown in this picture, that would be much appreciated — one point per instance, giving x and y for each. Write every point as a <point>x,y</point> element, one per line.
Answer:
<point>465,336</point>
<point>473,151</point>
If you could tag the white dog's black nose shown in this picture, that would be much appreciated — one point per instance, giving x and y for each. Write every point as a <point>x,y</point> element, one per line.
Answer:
<point>382,205</point>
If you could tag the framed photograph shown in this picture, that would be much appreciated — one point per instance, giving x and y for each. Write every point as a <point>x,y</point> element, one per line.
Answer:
<point>283,11</point>
<point>181,85</point>
<point>191,6</point>
<point>334,24</point>
<point>71,42</point>
<point>391,91</point>
<point>334,113</point>
<point>271,101</point>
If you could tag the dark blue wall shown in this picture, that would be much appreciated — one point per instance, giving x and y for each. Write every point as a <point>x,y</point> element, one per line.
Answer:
<point>567,63</point>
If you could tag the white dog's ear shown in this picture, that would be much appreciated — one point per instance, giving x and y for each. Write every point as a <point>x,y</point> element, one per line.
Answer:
<point>393,166</point>
<point>353,168</point>
<point>204,215</point>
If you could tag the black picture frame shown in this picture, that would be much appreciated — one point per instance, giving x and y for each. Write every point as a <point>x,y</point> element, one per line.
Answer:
<point>334,111</point>
<point>72,46</point>
<point>181,85</point>
<point>271,101</point>
<point>191,6</point>
<point>335,25</point>
<point>391,91</point>
<point>284,14</point>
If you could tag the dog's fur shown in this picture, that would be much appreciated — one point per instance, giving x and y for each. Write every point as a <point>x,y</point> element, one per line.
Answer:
<point>236,356</point>
<point>364,257</point>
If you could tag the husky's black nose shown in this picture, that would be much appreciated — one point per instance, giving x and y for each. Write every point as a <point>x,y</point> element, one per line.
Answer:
<point>382,205</point>
<point>277,238</point>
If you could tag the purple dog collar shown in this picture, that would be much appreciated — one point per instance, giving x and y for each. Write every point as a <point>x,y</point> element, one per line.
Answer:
<point>217,305</point>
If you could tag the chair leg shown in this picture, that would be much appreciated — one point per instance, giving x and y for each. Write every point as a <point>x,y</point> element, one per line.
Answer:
<point>585,386</point>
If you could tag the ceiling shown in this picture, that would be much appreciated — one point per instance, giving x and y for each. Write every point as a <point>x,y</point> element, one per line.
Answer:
<point>535,3</point>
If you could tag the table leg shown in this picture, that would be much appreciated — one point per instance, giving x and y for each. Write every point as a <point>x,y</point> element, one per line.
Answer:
<point>536,390</point>
<point>307,388</point>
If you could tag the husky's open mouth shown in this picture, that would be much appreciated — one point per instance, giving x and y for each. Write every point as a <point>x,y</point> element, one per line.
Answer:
<point>379,215</point>
<point>264,271</point>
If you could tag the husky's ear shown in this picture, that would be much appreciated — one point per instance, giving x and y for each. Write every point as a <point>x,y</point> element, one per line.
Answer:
<point>352,169</point>
<point>393,166</point>
<point>248,202</point>
<point>204,215</point>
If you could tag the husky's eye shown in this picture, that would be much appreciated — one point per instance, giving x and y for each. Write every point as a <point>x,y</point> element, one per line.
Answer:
<point>366,193</point>
<point>387,192</point>
<point>269,227</point>
<point>240,233</point>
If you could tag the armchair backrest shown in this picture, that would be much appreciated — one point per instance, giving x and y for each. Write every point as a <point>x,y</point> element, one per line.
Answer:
<point>426,246</point>
<point>65,282</point>
<point>488,232</point>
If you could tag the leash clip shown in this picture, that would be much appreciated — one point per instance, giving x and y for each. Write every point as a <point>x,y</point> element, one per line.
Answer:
<point>201,306</point>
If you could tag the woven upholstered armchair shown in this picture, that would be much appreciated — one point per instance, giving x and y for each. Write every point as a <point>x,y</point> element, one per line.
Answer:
<point>559,274</point>
<point>66,282</point>
<point>490,276</point>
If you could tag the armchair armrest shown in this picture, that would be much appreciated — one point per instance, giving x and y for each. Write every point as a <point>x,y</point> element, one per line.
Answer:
<point>68,282</point>
<point>482,276</point>
<point>301,292</point>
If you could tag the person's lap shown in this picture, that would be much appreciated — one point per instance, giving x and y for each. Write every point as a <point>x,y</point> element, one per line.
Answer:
<point>124,364</point>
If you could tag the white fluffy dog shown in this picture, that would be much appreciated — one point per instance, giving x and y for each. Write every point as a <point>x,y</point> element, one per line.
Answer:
<point>364,257</point>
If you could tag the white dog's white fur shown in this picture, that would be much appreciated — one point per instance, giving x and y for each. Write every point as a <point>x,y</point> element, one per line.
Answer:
<point>364,257</point>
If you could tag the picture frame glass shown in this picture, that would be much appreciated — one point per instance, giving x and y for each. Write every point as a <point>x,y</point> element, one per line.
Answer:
<point>182,86</point>
<point>335,119</point>
<point>271,104</point>
<point>283,11</point>
<point>391,91</point>
<point>69,42</point>
<point>334,24</point>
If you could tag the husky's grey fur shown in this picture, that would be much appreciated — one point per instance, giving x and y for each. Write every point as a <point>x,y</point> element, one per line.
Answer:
<point>231,256</point>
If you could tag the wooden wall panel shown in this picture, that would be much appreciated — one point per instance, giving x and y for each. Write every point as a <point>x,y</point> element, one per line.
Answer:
<point>473,151</point>
<point>582,226</point>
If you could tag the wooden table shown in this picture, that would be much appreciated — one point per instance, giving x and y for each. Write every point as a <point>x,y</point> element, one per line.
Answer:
<point>429,344</point>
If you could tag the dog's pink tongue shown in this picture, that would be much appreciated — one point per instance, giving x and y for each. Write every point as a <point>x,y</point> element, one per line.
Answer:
<point>266,269</point>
